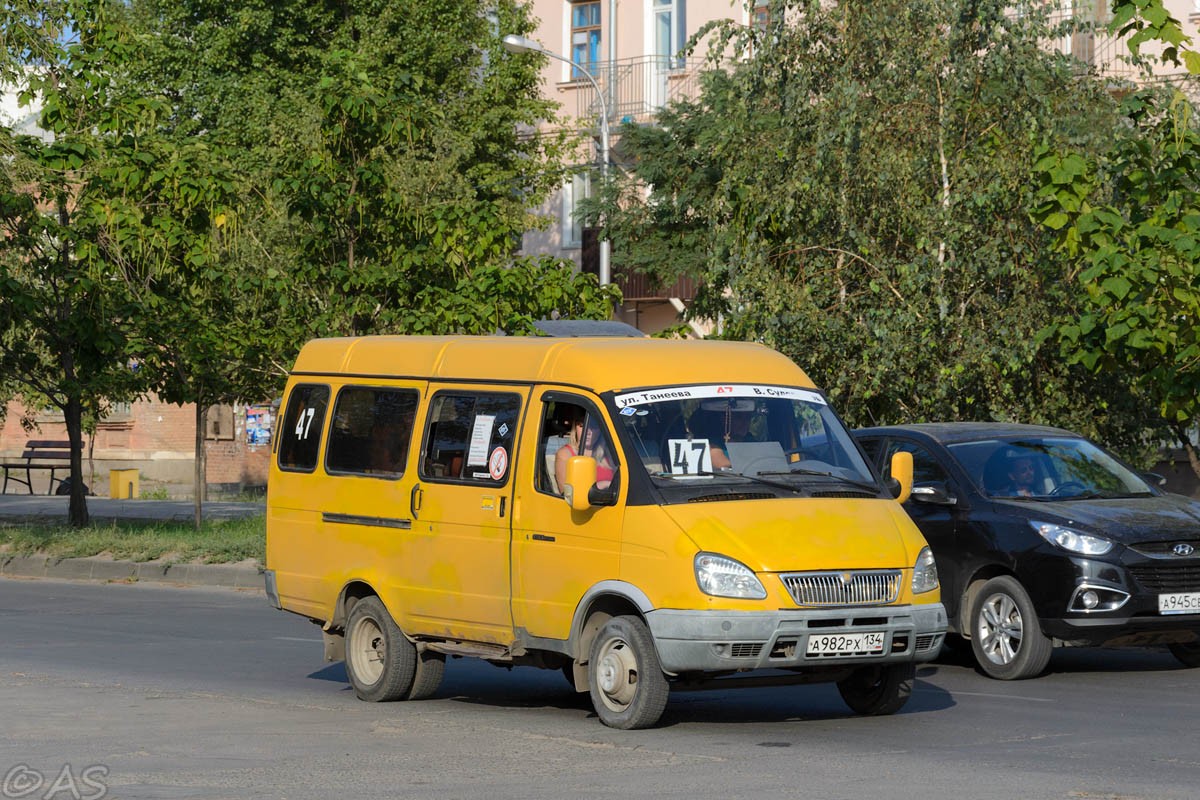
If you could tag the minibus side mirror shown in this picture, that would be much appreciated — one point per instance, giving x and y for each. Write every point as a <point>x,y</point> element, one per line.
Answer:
<point>581,477</point>
<point>902,475</point>
<point>1154,479</point>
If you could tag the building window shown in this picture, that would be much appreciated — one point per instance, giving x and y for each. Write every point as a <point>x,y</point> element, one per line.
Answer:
<point>670,30</point>
<point>760,14</point>
<point>575,190</point>
<point>585,37</point>
<point>218,422</point>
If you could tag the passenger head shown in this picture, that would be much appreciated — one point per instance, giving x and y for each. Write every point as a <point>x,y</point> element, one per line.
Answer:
<point>1021,471</point>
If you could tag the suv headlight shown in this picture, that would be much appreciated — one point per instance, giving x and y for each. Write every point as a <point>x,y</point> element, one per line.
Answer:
<point>1072,540</point>
<point>724,577</point>
<point>924,572</point>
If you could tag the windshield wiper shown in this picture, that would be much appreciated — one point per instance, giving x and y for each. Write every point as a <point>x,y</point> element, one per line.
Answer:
<point>870,487</point>
<point>776,484</point>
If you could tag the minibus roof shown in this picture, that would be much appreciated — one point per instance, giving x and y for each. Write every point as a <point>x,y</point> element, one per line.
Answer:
<point>598,364</point>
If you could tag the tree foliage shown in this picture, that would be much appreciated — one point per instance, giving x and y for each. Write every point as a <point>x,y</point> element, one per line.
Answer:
<point>854,191</point>
<point>1142,21</point>
<point>393,145</point>
<point>99,206</point>
<point>1128,220</point>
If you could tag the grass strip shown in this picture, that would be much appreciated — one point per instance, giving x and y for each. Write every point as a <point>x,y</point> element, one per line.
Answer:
<point>217,541</point>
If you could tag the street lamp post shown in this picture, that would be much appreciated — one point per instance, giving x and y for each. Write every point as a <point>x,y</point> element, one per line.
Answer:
<point>519,44</point>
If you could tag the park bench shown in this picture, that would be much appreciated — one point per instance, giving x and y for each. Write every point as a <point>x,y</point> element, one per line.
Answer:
<point>43,454</point>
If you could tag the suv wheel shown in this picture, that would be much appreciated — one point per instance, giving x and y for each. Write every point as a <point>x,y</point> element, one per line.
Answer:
<point>1005,634</point>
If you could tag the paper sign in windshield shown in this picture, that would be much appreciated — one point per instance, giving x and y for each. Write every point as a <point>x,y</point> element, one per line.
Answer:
<point>481,437</point>
<point>690,457</point>
<point>717,390</point>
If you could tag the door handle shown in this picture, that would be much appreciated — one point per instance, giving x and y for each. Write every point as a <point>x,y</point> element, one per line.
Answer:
<point>414,500</point>
<point>541,537</point>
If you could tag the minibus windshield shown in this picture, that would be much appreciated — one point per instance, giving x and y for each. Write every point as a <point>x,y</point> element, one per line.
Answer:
<point>741,432</point>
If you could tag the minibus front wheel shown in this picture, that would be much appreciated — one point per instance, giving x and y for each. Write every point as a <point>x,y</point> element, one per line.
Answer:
<point>380,662</point>
<point>625,678</point>
<point>878,690</point>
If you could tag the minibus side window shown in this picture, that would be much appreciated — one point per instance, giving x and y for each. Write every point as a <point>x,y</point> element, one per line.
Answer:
<point>470,437</point>
<point>300,435</point>
<point>370,431</point>
<point>565,433</point>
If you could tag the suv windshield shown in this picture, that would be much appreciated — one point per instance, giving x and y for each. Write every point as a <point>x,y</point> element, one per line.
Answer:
<point>1051,468</point>
<point>777,435</point>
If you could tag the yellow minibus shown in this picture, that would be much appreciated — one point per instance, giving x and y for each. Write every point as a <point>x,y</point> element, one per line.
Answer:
<point>645,515</point>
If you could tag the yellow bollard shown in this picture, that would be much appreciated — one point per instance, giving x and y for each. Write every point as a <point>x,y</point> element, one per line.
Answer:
<point>123,484</point>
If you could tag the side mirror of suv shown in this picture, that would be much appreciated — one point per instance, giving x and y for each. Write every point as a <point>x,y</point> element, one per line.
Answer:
<point>1154,479</point>
<point>933,493</point>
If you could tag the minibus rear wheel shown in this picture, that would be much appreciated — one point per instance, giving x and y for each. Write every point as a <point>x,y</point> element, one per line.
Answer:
<point>625,678</point>
<point>431,667</point>
<point>380,662</point>
<point>878,690</point>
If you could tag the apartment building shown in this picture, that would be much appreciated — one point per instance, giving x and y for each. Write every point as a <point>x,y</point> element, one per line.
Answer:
<point>631,49</point>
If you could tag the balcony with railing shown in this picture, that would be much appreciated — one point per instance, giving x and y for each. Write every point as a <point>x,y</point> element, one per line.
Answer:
<point>636,88</point>
<point>1083,29</point>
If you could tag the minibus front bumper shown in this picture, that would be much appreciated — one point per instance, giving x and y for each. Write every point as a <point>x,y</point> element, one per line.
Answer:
<point>708,641</point>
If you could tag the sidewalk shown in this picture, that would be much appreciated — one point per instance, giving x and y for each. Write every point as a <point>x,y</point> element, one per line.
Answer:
<point>36,508</point>
<point>33,508</point>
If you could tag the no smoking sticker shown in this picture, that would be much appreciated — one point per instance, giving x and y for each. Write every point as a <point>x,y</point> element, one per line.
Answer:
<point>498,463</point>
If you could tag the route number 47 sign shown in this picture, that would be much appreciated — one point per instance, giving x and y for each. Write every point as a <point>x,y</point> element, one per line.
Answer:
<point>690,457</point>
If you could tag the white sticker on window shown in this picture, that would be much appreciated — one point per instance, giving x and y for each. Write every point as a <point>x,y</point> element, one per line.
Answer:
<point>481,437</point>
<point>717,390</point>
<point>689,457</point>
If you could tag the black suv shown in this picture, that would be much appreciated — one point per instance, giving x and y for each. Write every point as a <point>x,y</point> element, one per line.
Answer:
<point>1043,538</point>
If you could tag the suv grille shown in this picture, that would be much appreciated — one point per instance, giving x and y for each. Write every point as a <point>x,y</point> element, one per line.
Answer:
<point>1169,577</point>
<point>877,587</point>
<point>1166,548</point>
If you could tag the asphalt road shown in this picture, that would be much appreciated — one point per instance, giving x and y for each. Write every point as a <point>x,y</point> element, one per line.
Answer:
<point>195,693</point>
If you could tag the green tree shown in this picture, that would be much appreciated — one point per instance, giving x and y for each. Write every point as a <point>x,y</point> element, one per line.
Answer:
<point>1129,220</point>
<point>1143,21</point>
<point>99,205</point>
<point>853,189</point>
<point>393,142</point>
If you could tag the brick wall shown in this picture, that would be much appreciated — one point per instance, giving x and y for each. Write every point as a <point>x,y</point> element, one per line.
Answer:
<point>157,439</point>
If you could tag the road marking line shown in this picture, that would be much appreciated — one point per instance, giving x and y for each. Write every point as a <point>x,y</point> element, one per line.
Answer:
<point>955,693</point>
<point>297,639</point>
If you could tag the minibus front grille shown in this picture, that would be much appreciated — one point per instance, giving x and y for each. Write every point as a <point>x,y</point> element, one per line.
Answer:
<point>857,588</point>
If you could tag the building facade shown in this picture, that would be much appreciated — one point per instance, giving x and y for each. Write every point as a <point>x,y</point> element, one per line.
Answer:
<point>158,439</point>
<point>632,49</point>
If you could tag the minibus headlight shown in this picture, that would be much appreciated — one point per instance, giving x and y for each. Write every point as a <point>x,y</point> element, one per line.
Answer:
<point>924,572</point>
<point>1074,541</point>
<point>724,577</point>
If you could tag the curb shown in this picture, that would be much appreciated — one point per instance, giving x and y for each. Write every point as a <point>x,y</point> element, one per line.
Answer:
<point>96,569</point>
